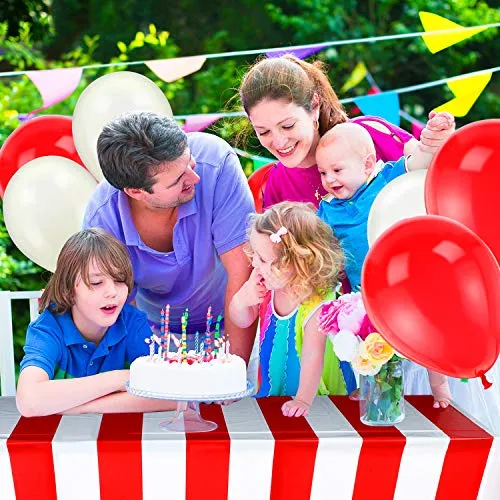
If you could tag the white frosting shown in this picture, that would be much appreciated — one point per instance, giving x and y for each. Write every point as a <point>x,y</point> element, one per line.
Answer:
<point>225,375</point>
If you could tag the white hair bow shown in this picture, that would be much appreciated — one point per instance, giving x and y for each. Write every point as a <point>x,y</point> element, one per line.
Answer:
<point>276,237</point>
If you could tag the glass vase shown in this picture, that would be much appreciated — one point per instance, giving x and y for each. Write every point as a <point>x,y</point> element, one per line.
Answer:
<point>381,395</point>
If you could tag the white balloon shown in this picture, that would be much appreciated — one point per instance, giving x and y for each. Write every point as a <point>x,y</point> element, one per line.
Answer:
<point>44,204</point>
<point>104,100</point>
<point>401,199</point>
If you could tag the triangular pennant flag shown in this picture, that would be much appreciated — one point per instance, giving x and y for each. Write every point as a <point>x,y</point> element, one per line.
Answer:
<point>170,70</point>
<point>357,75</point>
<point>54,85</point>
<point>373,90</point>
<point>416,128</point>
<point>257,163</point>
<point>385,105</point>
<point>300,53</point>
<point>435,43</point>
<point>467,91</point>
<point>197,123</point>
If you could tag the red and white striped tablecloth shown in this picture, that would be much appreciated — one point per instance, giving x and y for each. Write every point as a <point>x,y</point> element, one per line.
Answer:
<point>255,454</point>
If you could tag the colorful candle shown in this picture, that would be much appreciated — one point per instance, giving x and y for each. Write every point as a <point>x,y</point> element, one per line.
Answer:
<point>167,329</point>
<point>217,335</point>
<point>207,346</point>
<point>196,341</point>
<point>184,338</point>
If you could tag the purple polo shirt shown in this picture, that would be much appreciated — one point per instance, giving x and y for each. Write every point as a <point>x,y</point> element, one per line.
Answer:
<point>212,223</point>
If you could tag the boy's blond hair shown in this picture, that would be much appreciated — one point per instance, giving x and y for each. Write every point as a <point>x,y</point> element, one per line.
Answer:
<point>309,248</point>
<point>109,254</point>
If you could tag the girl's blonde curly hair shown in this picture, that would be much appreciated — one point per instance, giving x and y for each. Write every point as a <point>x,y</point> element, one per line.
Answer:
<point>308,249</point>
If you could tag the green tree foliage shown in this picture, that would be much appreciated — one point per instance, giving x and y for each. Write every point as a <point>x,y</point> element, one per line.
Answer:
<point>398,63</point>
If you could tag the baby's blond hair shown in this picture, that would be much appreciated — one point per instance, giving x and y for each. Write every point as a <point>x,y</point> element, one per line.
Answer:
<point>349,135</point>
<point>309,248</point>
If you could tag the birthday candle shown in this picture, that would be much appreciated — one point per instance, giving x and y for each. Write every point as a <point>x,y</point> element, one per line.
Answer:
<point>184,338</point>
<point>217,335</point>
<point>196,341</point>
<point>167,328</point>
<point>207,351</point>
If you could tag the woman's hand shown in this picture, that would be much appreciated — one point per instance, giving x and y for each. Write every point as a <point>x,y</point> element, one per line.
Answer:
<point>437,131</point>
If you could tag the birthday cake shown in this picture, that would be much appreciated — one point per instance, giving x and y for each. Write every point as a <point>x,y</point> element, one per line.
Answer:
<point>206,372</point>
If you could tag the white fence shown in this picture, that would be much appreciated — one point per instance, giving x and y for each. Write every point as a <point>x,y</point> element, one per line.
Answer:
<point>7,370</point>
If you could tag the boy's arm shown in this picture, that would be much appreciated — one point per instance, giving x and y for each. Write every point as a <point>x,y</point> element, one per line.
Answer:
<point>311,367</point>
<point>122,402</point>
<point>38,396</point>
<point>437,131</point>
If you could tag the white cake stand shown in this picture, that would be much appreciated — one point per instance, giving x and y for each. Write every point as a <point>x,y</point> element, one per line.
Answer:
<point>187,416</point>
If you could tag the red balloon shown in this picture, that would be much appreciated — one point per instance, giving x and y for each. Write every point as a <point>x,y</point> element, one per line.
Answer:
<point>432,288</point>
<point>42,136</point>
<point>463,179</point>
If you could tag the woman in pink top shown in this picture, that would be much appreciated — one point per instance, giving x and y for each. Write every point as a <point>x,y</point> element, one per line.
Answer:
<point>291,104</point>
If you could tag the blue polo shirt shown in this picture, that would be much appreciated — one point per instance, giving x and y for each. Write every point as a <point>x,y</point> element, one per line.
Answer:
<point>349,218</point>
<point>54,344</point>
<point>212,223</point>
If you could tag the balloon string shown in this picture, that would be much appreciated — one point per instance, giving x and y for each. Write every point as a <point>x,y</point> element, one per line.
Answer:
<point>484,380</point>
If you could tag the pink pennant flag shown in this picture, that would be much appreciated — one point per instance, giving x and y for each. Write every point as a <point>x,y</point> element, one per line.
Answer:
<point>170,70</point>
<point>54,85</point>
<point>416,128</point>
<point>197,123</point>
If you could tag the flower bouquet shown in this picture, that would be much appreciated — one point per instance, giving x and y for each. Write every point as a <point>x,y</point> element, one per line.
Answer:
<point>355,340</point>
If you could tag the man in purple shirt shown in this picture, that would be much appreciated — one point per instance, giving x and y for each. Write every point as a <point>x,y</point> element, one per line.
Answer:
<point>180,203</point>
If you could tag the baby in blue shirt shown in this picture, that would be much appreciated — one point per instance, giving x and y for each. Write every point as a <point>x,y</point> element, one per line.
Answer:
<point>353,178</point>
<point>78,350</point>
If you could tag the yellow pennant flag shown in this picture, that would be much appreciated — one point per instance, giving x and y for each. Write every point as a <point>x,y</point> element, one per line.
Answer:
<point>435,43</point>
<point>358,73</point>
<point>467,91</point>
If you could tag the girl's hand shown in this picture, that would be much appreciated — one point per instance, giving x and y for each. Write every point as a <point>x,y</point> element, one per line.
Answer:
<point>295,408</point>
<point>253,291</point>
<point>437,131</point>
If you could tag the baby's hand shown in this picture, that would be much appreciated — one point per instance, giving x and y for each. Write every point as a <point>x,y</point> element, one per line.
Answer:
<point>253,291</point>
<point>295,408</point>
<point>437,131</point>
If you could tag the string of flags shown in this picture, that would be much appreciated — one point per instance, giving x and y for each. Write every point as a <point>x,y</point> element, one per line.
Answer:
<point>439,33</point>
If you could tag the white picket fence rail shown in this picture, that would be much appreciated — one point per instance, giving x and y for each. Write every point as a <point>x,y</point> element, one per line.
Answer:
<point>7,367</point>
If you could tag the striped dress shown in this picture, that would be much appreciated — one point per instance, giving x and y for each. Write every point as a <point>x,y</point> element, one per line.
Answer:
<point>281,339</point>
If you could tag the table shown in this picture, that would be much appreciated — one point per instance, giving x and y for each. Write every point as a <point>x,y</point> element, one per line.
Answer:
<point>255,453</point>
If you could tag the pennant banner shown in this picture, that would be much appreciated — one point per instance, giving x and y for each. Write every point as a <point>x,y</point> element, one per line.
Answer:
<point>435,43</point>
<point>55,85</point>
<point>170,70</point>
<point>300,53</point>
<point>467,91</point>
<point>197,123</point>
<point>385,105</point>
<point>357,75</point>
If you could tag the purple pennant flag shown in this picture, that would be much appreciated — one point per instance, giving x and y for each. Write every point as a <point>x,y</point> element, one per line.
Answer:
<point>197,123</point>
<point>299,53</point>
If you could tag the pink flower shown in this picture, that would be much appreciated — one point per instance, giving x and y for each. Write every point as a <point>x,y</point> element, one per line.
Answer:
<point>366,328</point>
<point>345,313</point>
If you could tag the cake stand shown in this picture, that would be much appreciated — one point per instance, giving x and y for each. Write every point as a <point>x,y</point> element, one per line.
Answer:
<point>187,416</point>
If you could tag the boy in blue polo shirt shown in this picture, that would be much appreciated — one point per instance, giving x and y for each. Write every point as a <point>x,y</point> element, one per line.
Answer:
<point>353,178</point>
<point>78,350</point>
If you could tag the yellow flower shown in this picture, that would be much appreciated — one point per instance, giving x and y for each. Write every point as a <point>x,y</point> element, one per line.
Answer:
<point>376,349</point>
<point>365,366</point>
